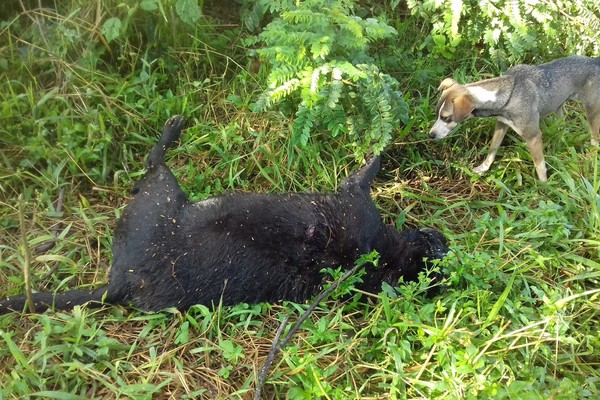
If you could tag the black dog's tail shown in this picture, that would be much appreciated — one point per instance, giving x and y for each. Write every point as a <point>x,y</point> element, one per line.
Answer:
<point>61,301</point>
<point>170,134</point>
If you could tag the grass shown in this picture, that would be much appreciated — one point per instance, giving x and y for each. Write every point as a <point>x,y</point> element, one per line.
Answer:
<point>518,316</point>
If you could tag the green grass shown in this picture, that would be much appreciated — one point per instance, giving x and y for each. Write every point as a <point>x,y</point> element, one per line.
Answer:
<point>517,319</point>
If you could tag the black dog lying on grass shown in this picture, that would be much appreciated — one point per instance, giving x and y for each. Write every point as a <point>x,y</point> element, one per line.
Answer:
<point>240,247</point>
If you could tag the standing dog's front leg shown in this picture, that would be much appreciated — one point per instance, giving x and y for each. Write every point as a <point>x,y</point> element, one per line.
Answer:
<point>499,132</point>
<point>534,144</point>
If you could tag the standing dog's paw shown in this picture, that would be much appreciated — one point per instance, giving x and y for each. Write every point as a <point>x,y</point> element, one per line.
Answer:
<point>481,169</point>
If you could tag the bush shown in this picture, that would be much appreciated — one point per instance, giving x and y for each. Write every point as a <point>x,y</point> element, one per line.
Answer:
<point>321,70</point>
<point>508,30</point>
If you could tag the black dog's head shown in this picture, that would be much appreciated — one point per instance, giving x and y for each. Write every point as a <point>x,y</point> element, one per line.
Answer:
<point>418,249</point>
<point>404,255</point>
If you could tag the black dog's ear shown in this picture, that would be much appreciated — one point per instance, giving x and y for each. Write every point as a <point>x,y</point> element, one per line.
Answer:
<point>171,133</point>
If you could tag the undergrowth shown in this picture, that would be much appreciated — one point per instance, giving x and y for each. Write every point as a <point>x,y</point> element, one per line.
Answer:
<point>516,317</point>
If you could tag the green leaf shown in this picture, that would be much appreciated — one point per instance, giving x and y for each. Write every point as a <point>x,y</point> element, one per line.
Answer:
<point>149,5</point>
<point>111,29</point>
<point>189,11</point>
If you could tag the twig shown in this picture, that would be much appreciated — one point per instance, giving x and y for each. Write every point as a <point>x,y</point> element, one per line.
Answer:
<point>265,369</point>
<point>26,255</point>
<point>49,244</point>
<point>278,345</point>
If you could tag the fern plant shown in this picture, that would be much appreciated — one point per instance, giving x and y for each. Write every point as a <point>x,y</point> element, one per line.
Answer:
<point>321,70</point>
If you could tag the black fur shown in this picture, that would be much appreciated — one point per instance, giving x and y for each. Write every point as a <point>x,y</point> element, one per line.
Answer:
<point>170,252</point>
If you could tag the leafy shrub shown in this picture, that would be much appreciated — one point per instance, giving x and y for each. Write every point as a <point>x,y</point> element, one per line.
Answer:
<point>511,30</point>
<point>320,68</point>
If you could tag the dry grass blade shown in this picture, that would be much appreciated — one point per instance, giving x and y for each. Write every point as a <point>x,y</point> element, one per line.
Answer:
<point>26,255</point>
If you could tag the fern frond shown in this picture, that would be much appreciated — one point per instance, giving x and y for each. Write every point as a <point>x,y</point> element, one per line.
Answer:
<point>375,30</point>
<point>304,16</point>
<point>284,89</point>
<point>321,48</point>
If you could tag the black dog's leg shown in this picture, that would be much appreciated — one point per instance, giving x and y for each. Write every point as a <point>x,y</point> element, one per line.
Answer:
<point>61,301</point>
<point>362,178</point>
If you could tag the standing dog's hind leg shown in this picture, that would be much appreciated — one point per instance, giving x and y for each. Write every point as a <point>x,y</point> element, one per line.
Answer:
<point>593,118</point>
<point>590,97</point>
<point>499,132</point>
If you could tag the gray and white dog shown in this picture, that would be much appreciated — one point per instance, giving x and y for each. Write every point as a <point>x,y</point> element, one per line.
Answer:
<point>519,99</point>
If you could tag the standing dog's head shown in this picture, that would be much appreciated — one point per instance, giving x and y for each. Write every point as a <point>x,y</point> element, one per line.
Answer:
<point>455,105</point>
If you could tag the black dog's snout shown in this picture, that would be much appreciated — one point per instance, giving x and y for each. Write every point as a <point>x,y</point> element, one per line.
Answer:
<point>437,243</point>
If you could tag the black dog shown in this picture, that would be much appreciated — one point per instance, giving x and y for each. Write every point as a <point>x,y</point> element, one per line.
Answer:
<point>170,252</point>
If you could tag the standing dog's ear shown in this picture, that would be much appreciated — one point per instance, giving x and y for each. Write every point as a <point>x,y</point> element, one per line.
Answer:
<point>446,83</point>
<point>463,107</point>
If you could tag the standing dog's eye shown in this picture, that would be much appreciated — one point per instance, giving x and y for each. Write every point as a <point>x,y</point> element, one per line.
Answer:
<point>445,118</point>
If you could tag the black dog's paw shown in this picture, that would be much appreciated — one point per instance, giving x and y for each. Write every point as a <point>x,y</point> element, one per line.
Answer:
<point>172,130</point>
<point>175,122</point>
<point>170,135</point>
